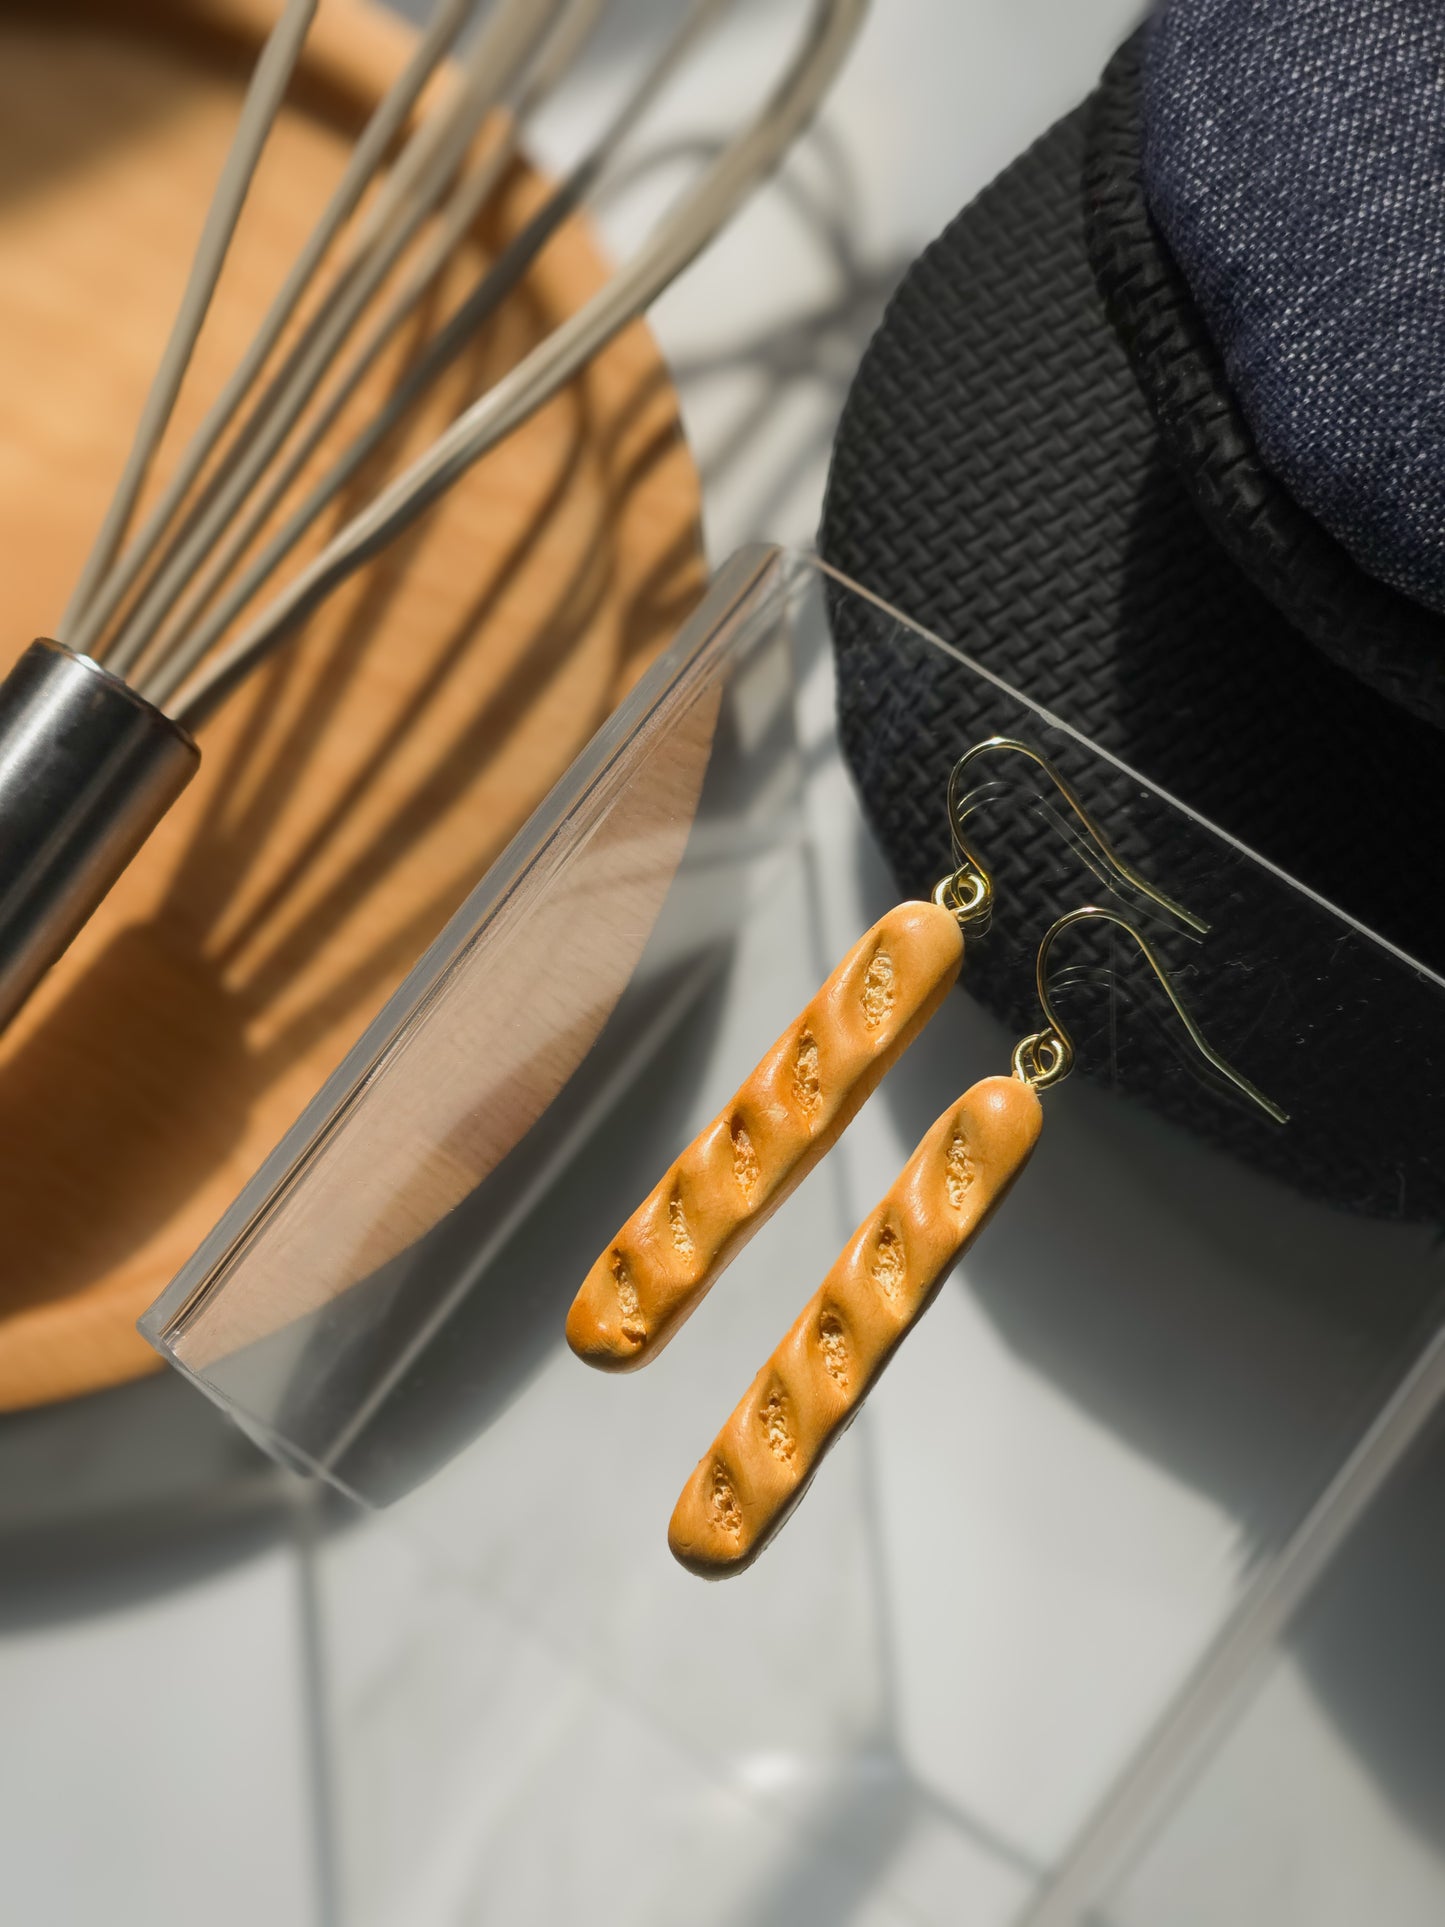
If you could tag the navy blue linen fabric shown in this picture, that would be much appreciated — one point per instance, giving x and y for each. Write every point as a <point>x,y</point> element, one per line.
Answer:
<point>1294,160</point>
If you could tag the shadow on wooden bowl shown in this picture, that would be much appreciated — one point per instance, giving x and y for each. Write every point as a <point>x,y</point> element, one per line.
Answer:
<point>351,795</point>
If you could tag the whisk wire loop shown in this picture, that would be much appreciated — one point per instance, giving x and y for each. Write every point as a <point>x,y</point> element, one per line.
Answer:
<point>679,237</point>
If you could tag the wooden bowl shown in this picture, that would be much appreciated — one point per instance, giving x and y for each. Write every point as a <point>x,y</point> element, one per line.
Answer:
<point>349,797</point>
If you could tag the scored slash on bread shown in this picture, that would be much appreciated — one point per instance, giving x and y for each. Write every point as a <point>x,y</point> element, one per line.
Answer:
<point>813,1385</point>
<point>788,1113</point>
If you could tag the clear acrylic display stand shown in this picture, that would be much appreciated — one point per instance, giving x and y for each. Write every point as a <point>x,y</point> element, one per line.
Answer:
<point>1036,1600</point>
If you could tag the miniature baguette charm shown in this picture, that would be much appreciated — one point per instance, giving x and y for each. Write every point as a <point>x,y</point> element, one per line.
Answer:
<point>786,1116</point>
<point>814,1383</point>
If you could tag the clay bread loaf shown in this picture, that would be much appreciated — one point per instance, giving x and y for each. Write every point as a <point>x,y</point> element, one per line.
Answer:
<point>790,1111</point>
<point>813,1385</point>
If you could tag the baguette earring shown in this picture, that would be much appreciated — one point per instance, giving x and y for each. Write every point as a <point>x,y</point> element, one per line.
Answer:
<point>811,1388</point>
<point>805,1092</point>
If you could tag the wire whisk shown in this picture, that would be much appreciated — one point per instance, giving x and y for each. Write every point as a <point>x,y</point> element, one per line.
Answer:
<point>174,609</point>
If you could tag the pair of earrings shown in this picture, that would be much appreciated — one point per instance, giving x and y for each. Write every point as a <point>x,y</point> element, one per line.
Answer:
<point>780,1123</point>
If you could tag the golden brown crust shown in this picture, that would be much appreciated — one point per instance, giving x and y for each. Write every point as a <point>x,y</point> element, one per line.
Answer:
<point>796,1104</point>
<point>812,1386</point>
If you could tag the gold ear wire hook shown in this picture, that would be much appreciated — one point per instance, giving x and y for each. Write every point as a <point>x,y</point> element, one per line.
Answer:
<point>1047,1057</point>
<point>968,890</point>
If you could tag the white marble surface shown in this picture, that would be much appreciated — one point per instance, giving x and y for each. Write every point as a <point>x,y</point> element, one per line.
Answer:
<point>157,1764</point>
<point>495,1754</point>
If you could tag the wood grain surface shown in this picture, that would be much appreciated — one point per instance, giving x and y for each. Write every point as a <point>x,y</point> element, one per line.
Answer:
<point>350,797</point>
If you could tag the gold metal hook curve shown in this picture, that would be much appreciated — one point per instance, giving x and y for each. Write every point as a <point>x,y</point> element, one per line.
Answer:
<point>968,890</point>
<point>1047,1057</point>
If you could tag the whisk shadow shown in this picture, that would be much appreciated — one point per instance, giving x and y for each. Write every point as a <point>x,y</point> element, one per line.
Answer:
<point>242,972</point>
<point>264,763</point>
<point>474,745</point>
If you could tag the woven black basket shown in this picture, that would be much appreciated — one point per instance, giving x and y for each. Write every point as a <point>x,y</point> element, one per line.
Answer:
<point>1040,462</point>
